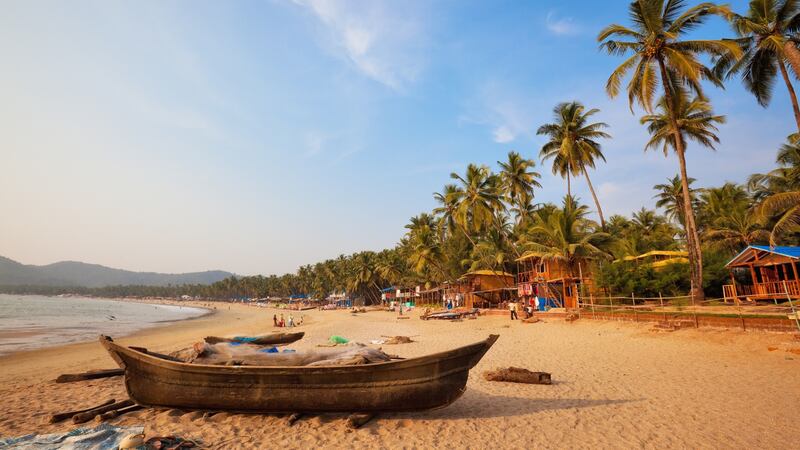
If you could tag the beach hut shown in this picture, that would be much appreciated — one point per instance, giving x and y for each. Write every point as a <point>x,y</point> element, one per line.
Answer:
<point>433,296</point>
<point>658,258</point>
<point>553,281</point>
<point>760,272</point>
<point>483,289</point>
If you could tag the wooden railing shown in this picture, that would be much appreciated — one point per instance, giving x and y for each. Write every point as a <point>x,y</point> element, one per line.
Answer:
<point>768,289</point>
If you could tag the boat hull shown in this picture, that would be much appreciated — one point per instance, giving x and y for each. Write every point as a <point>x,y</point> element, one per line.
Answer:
<point>427,382</point>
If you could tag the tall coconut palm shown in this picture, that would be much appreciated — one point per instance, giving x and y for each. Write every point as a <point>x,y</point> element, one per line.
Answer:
<point>573,145</point>
<point>518,179</point>
<point>672,125</point>
<point>660,56</point>
<point>768,39</point>
<point>477,200</point>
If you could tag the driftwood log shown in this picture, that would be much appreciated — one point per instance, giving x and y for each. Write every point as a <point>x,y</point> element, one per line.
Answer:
<point>358,420</point>
<point>518,375</point>
<point>89,415</point>
<point>58,417</point>
<point>91,375</point>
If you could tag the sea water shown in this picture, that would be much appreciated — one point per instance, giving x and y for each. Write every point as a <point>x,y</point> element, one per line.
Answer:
<point>33,321</point>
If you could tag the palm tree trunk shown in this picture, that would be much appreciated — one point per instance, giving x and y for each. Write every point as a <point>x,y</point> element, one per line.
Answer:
<point>594,196</point>
<point>569,188</point>
<point>692,238</point>
<point>792,94</point>
<point>466,233</point>
<point>792,55</point>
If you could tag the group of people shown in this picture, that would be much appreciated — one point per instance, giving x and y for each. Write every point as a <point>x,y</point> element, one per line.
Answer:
<point>514,306</point>
<point>285,323</point>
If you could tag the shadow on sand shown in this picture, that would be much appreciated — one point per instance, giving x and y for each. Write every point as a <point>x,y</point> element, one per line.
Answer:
<point>475,404</point>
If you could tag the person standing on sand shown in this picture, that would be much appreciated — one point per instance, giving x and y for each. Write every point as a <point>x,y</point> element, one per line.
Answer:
<point>291,321</point>
<point>275,320</point>
<point>281,323</point>
<point>512,306</point>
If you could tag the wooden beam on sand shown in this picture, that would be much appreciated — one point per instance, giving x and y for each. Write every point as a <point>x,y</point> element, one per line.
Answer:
<point>91,375</point>
<point>358,420</point>
<point>116,413</point>
<point>294,417</point>
<point>58,417</point>
<point>90,414</point>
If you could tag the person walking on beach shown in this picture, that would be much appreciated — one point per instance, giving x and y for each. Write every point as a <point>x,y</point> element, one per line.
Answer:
<point>291,321</point>
<point>281,323</point>
<point>275,320</point>
<point>512,306</point>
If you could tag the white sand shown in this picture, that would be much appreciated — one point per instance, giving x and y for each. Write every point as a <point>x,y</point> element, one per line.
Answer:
<point>615,385</point>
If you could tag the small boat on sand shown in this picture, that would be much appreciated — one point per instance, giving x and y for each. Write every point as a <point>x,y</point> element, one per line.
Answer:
<point>413,384</point>
<point>265,339</point>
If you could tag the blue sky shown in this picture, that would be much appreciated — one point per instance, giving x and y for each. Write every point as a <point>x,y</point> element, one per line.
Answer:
<point>255,136</point>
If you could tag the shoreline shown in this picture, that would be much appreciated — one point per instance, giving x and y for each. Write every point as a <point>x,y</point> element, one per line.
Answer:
<point>204,311</point>
<point>46,363</point>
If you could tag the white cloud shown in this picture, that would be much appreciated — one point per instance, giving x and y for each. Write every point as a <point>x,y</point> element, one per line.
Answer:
<point>380,39</point>
<point>503,134</point>
<point>563,26</point>
<point>507,113</point>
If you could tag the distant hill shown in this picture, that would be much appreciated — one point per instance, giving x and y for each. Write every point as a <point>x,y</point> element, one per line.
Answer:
<point>73,273</point>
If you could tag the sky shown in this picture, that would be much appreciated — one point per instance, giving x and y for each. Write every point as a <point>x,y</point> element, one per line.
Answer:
<point>257,136</point>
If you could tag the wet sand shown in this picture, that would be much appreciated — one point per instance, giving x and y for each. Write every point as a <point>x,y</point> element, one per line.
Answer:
<point>616,385</point>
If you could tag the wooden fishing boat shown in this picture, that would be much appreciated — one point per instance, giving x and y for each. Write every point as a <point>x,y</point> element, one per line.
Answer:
<point>265,339</point>
<point>412,384</point>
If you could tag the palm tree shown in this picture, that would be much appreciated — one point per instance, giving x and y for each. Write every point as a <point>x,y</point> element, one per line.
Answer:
<point>565,234</point>
<point>670,127</point>
<point>768,39</point>
<point>670,198</point>
<point>477,200</point>
<point>572,144</point>
<point>446,211</point>
<point>784,178</point>
<point>736,229</point>
<point>661,56</point>
<point>518,179</point>
<point>786,206</point>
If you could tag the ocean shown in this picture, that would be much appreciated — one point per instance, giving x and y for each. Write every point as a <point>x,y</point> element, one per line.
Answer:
<point>33,321</point>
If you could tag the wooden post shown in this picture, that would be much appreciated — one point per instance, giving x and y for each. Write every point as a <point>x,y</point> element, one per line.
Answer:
<point>694,307</point>
<point>635,316</point>
<point>754,278</point>
<point>661,299</point>
<point>591,300</point>
<point>794,311</point>
<point>611,299</point>
<point>733,285</point>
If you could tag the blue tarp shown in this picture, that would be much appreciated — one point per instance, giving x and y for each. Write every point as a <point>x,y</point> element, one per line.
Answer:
<point>100,437</point>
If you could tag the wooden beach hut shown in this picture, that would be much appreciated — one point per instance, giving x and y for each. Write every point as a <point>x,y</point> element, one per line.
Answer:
<point>760,272</point>
<point>483,289</point>
<point>552,280</point>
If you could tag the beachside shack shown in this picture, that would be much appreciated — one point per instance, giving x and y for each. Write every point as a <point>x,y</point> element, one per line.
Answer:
<point>760,272</point>
<point>553,281</point>
<point>483,289</point>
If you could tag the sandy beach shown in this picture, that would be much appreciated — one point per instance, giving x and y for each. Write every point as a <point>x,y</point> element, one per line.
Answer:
<point>615,385</point>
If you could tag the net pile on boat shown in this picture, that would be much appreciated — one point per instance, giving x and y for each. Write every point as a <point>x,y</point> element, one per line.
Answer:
<point>253,355</point>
